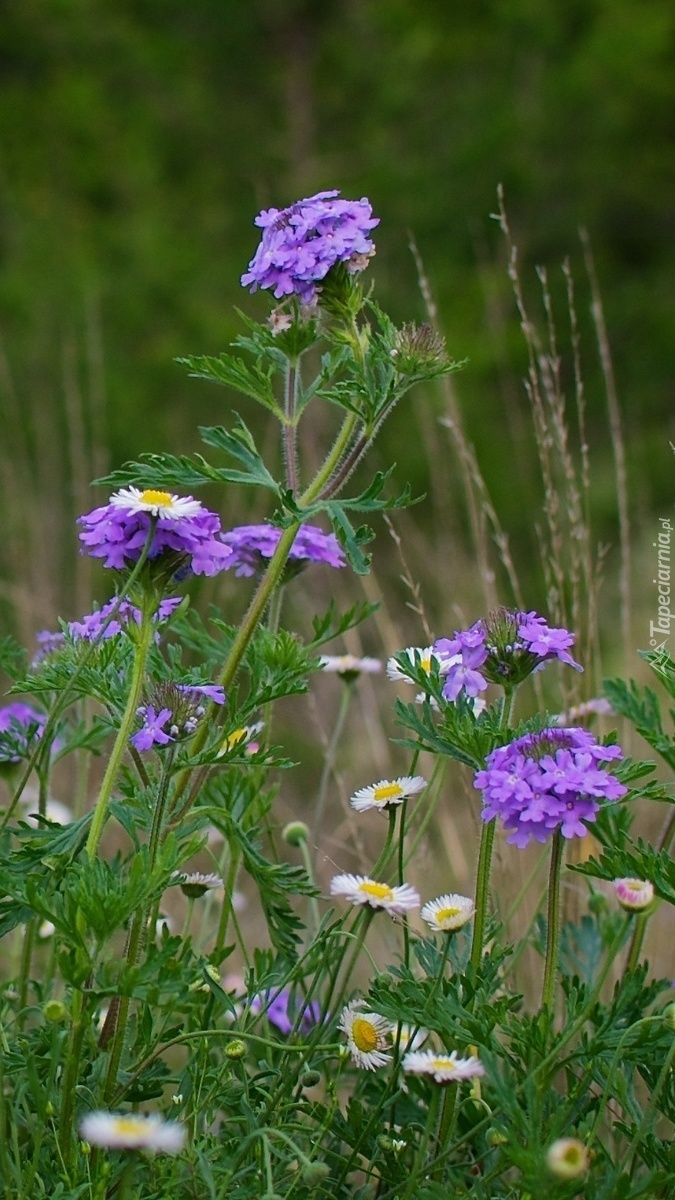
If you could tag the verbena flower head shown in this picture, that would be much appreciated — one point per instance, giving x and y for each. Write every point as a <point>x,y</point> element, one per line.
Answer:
<point>635,895</point>
<point>444,1068</point>
<point>387,792</point>
<point>183,539</point>
<point>174,713</point>
<point>504,648</point>
<point>47,643</point>
<point>132,1131</point>
<point>447,913</point>
<point>359,889</point>
<point>251,545</point>
<point>286,1011</point>
<point>368,1035</point>
<point>301,243</point>
<point>547,781</point>
<point>20,725</point>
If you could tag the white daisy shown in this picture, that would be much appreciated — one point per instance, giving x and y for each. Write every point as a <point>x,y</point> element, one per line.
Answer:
<point>160,504</point>
<point>349,664</point>
<point>448,912</point>
<point>425,655</point>
<point>387,791</point>
<point>445,1068</point>
<point>132,1131</point>
<point>368,1035</point>
<point>195,883</point>
<point>362,890</point>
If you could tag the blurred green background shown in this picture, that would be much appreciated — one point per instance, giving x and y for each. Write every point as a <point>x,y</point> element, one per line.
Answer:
<point>139,138</point>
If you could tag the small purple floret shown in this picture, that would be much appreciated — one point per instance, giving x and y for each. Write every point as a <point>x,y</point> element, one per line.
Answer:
<point>301,243</point>
<point>250,544</point>
<point>548,781</point>
<point>152,733</point>
<point>91,626</point>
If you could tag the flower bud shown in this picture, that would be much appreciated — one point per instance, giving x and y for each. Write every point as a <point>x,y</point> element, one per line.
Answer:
<point>495,1136</point>
<point>635,895</point>
<point>567,1158</point>
<point>235,1049</point>
<point>54,1011</point>
<point>310,1079</point>
<point>295,832</point>
<point>314,1173</point>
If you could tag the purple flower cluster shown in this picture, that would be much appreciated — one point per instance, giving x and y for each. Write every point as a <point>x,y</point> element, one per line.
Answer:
<point>184,533</point>
<point>19,724</point>
<point>250,544</point>
<point>547,781</point>
<point>282,1012</point>
<point>178,706</point>
<point>301,243</point>
<point>504,648</point>
<point>90,627</point>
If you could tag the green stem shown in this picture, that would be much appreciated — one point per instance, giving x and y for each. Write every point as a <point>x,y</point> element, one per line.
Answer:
<point>24,976</point>
<point>637,939</point>
<point>291,386</point>
<point>446,1124</point>
<point>482,891</point>
<point>124,731</point>
<point>70,1077</point>
<point>226,908</point>
<point>330,755</point>
<point>553,928</point>
<point>485,858</point>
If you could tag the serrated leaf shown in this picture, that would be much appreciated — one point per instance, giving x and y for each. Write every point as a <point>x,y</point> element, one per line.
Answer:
<point>253,381</point>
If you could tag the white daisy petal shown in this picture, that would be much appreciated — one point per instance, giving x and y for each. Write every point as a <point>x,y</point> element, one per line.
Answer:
<point>359,889</point>
<point>368,1035</point>
<point>444,1068</point>
<point>160,504</point>
<point>387,791</point>
<point>448,912</point>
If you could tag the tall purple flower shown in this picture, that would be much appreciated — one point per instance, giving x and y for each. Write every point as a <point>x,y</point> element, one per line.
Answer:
<point>251,544</point>
<point>19,724</point>
<point>547,781</point>
<point>504,648</point>
<point>184,535</point>
<point>301,243</point>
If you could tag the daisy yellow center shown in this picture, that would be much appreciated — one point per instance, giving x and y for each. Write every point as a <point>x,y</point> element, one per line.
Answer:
<point>443,1064</point>
<point>425,663</point>
<point>573,1155</point>
<point>364,1035</point>
<point>130,1125</point>
<point>379,891</point>
<point>387,791</point>
<point>150,496</point>
<point>445,914</point>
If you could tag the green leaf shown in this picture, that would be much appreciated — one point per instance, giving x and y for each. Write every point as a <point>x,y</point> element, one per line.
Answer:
<point>254,381</point>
